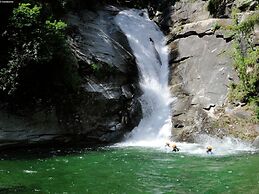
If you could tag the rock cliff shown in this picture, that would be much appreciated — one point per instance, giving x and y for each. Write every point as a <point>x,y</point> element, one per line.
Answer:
<point>202,70</point>
<point>105,106</point>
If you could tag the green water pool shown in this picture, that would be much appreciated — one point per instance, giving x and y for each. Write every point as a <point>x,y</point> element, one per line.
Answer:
<point>129,170</point>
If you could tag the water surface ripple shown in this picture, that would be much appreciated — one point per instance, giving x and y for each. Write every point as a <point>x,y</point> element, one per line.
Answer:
<point>130,170</point>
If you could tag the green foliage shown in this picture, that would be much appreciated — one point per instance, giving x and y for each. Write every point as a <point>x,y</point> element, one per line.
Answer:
<point>254,103</point>
<point>55,27</point>
<point>35,41</point>
<point>248,69</point>
<point>25,16</point>
<point>248,25</point>
<point>8,76</point>
<point>102,70</point>
<point>257,111</point>
<point>246,62</point>
<point>215,26</point>
<point>95,67</point>
<point>234,16</point>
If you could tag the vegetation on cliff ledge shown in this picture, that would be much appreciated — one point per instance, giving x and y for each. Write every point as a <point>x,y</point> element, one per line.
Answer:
<point>246,62</point>
<point>38,56</point>
<point>35,58</point>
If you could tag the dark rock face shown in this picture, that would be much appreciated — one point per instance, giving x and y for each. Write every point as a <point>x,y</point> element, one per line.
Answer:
<point>105,107</point>
<point>96,38</point>
<point>114,107</point>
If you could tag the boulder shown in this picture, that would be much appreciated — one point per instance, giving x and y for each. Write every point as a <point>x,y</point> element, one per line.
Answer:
<point>202,70</point>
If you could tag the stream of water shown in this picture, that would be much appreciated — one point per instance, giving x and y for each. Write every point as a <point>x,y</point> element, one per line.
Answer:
<point>148,45</point>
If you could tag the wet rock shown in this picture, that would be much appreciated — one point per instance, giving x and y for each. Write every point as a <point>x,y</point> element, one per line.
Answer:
<point>256,142</point>
<point>201,68</point>
<point>95,38</point>
<point>191,123</point>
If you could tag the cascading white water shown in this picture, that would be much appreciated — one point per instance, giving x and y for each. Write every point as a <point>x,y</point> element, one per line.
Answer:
<point>148,45</point>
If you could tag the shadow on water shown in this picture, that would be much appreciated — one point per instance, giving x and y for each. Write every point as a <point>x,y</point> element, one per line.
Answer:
<point>17,189</point>
<point>44,151</point>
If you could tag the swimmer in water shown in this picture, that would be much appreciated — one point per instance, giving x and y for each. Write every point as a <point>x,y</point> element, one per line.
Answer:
<point>209,150</point>
<point>173,146</point>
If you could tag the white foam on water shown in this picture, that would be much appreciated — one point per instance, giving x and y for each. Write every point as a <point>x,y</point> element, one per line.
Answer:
<point>149,47</point>
<point>221,147</point>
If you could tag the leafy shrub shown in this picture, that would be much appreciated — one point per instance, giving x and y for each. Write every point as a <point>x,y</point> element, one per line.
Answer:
<point>246,62</point>
<point>216,26</point>
<point>102,70</point>
<point>36,42</point>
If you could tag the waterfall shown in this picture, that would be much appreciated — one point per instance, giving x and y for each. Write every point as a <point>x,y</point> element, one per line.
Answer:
<point>149,47</point>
